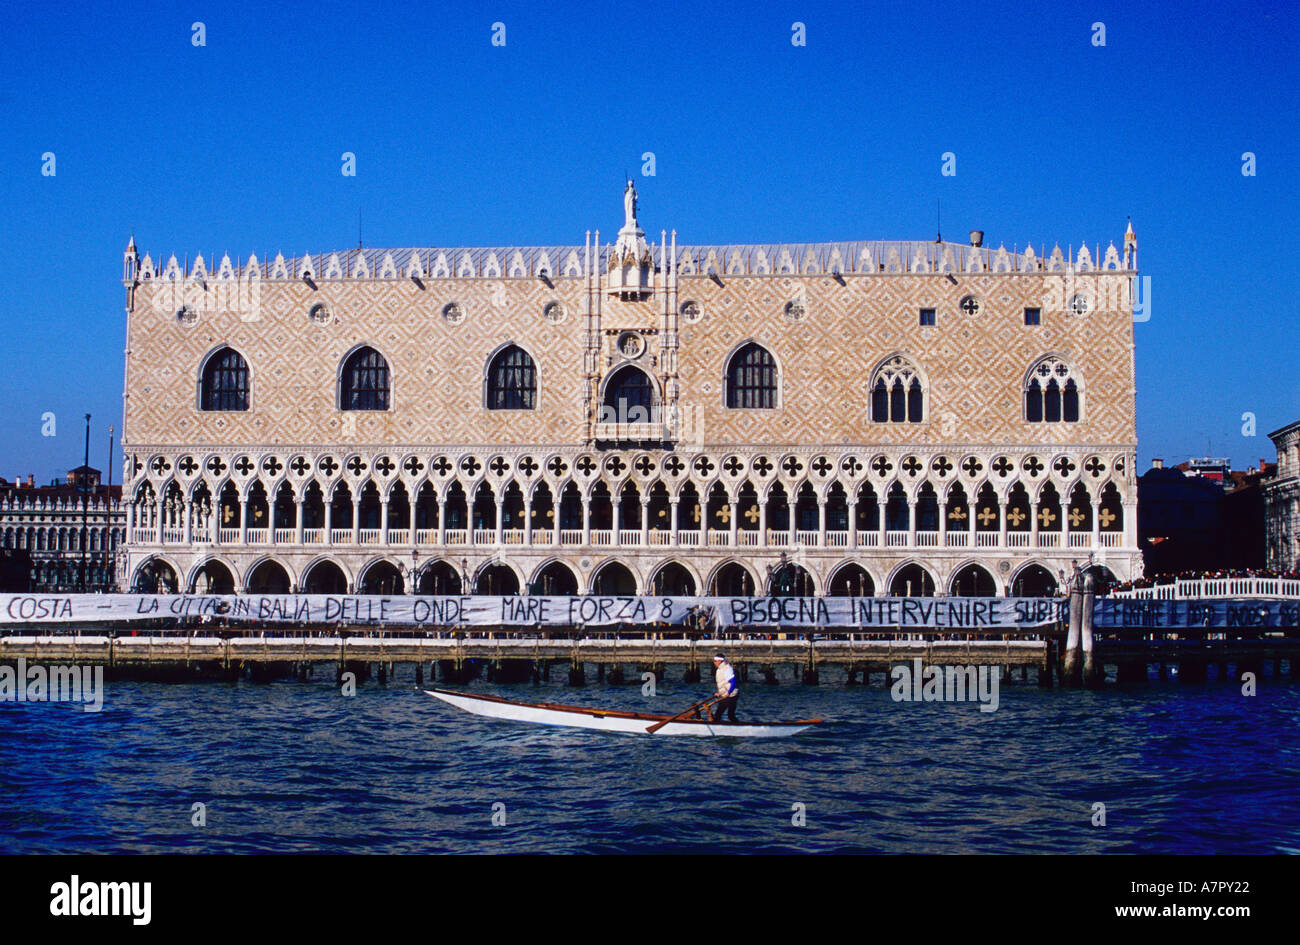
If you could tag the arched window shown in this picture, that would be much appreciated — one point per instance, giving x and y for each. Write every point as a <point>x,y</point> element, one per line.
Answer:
<point>512,380</point>
<point>364,381</point>
<point>752,378</point>
<point>629,397</point>
<point>896,393</point>
<point>1051,393</point>
<point>224,385</point>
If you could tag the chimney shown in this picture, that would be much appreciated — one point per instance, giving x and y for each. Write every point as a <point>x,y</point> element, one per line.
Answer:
<point>977,237</point>
<point>1157,463</point>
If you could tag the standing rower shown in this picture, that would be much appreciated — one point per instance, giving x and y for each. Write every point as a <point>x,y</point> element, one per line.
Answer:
<point>728,688</point>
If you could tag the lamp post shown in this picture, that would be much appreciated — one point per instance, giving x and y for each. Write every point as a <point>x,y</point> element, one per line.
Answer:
<point>84,484</point>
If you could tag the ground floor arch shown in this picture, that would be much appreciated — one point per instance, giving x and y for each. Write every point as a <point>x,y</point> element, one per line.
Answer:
<point>324,577</point>
<point>673,579</point>
<point>268,576</point>
<point>911,580</point>
<point>554,579</point>
<point>851,580</point>
<point>732,579</point>
<point>213,576</point>
<point>496,580</point>
<point>973,580</point>
<point>381,577</point>
<point>613,579</point>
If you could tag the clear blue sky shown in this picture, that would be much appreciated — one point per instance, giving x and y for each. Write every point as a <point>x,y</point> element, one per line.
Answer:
<point>235,147</point>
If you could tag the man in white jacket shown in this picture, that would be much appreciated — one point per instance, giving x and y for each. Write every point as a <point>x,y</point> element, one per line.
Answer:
<point>728,689</point>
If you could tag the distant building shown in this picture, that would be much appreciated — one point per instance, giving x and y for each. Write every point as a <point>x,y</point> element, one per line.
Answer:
<point>1202,515</point>
<point>53,531</point>
<point>1282,501</point>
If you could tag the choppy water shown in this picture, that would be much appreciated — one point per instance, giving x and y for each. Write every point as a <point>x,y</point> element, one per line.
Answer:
<point>297,767</point>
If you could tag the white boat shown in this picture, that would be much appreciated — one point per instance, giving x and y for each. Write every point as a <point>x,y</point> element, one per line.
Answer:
<point>626,723</point>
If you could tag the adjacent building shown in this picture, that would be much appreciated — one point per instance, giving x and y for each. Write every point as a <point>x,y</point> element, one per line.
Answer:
<point>1282,501</point>
<point>67,535</point>
<point>635,416</point>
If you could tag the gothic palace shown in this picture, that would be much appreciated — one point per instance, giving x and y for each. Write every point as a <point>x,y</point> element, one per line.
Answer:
<point>862,418</point>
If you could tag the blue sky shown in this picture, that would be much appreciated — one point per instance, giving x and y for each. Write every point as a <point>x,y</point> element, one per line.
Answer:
<point>235,147</point>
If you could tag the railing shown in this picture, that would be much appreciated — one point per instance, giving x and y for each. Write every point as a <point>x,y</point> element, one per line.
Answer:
<point>1112,539</point>
<point>837,539</point>
<point>426,536</point>
<point>286,536</point>
<point>368,536</point>
<point>747,539</point>
<point>660,537</point>
<point>806,538</point>
<point>688,539</point>
<point>1194,588</point>
<point>456,536</point>
<point>777,539</point>
<point>173,536</point>
<point>868,539</point>
<point>986,539</point>
<point>543,536</point>
<point>143,535</point>
<point>485,536</point>
<point>895,539</point>
<point>255,536</point>
<point>718,539</point>
<point>313,536</point>
<point>228,536</point>
<point>958,539</point>
<point>629,538</point>
<point>1018,539</point>
<point>1080,540</point>
<point>571,536</point>
<point>1049,539</point>
<point>927,539</point>
<point>601,537</point>
<point>340,536</point>
<point>512,536</point>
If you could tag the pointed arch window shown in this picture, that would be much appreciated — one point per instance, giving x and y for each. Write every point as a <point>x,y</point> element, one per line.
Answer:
<point>752,378</point>
<point>629,397</point>
<point>1052,393</point>
<point>512,380</point>
<point>897,395</point>
<point>224,384</point>
<point>364,383</point>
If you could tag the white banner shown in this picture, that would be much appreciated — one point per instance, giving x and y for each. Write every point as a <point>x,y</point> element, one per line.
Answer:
<point>958,613</point>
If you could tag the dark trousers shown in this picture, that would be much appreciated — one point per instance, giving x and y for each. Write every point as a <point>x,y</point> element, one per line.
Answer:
<point>728,706</point>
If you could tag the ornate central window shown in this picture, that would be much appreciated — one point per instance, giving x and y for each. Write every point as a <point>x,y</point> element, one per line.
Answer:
<point>512,380</point>
<point>1051,393</point>
<point>752,378</point>
<point>630,397</point>
<point>363,384</point>
<point>897,395</point>
<point>224,384</point>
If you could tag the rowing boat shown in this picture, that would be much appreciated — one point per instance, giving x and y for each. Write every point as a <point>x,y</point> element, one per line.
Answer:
<point>627,723</point>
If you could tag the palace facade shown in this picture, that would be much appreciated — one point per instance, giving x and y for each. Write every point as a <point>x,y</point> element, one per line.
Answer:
<point>879,417</point>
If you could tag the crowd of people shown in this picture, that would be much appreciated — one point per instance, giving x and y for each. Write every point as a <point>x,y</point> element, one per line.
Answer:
<point>1162,579</point>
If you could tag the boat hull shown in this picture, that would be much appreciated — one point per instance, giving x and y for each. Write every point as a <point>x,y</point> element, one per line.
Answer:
<point>622,723</point>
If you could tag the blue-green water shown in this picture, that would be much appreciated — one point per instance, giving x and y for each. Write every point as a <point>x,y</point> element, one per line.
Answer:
<point>294,766</point>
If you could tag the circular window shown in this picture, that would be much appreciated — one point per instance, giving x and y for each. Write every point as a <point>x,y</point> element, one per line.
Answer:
<point>320,314</point>
<point>795,310</point>
<point>971,305</point>
<point>690,311</point>
<point>630,344</point>
<point>553,312</point>
<point>186,315</point>
<point>1080,304</point>
<point>453,313</point>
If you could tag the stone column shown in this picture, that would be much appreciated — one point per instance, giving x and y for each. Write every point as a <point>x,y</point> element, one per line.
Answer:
<point>645,520</point>
<point>853,521</point>
<point>297,521</point>
<point>161,521</point>
<point>734,523</point>
<point>911,522</point>
<point>586,519</point>
<point>672,506</point>
<point>188,507</point>
<point>943,524</point>
<point>881,504</point>
<point>329,519</point>
<point>243,519</point>
<point>442,520</point>
<point>971,522</point>
<point>762,522</point>
<point>616,517</point>
<point>356,519</point>
<point>501,521</point>
<point>383,520</point>
<point>528,520</point>
<point>270,519</point>
<point>821,521</point>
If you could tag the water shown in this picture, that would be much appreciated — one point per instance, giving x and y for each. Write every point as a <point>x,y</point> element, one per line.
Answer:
<point>294,766</point>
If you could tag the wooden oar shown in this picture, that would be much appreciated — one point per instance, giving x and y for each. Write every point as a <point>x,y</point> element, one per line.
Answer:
<point>699,705</point>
